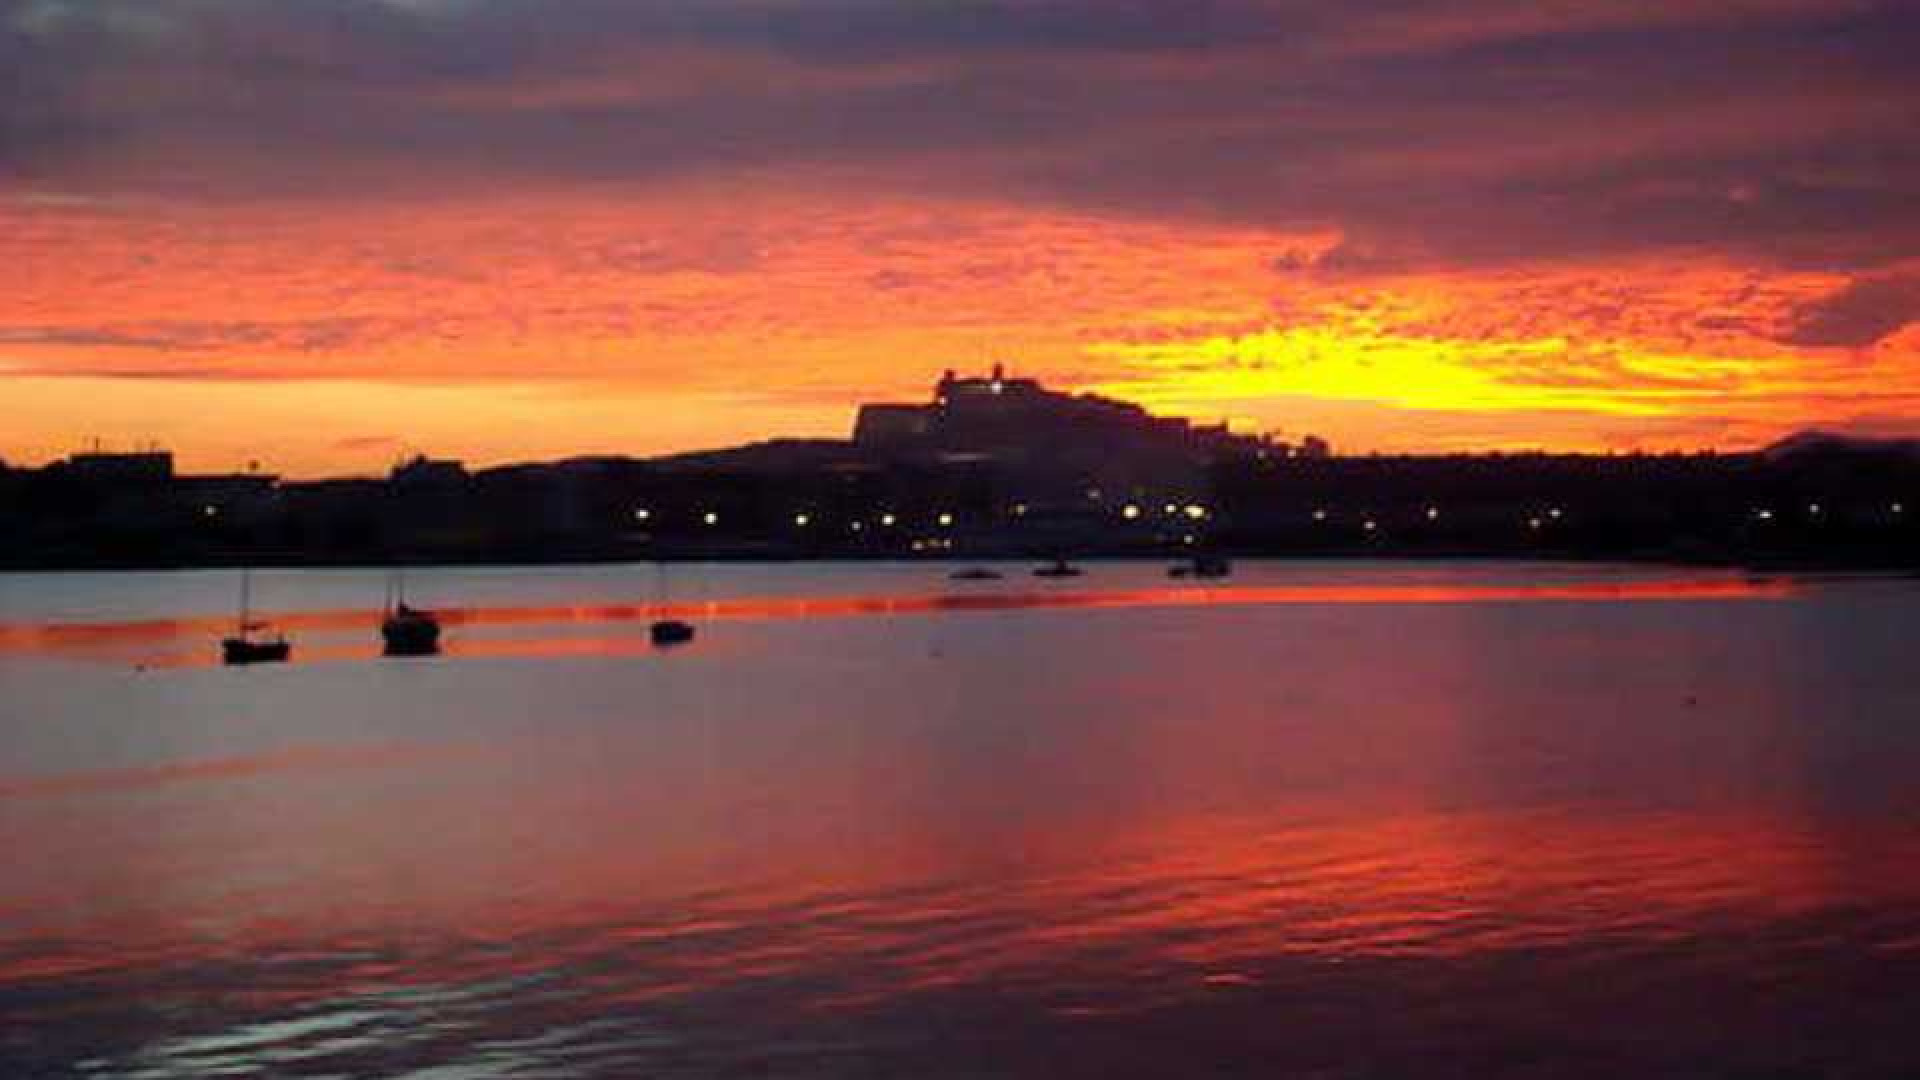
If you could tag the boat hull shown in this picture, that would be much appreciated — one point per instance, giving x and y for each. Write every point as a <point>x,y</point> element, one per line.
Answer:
<point>239,652</point>
<point>410,636</point>
<point>670,632</point>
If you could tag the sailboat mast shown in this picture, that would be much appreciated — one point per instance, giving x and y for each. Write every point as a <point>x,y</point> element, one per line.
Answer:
<point>246,597</point>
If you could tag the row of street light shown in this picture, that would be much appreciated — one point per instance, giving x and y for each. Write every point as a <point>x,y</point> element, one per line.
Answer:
<point>1197,512</point>
<point>945,519</point>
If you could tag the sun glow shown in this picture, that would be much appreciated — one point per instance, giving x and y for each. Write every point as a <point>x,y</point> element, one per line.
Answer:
<point>503,330</point>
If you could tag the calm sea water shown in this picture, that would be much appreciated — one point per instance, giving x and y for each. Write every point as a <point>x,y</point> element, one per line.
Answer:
<point>1330,820</point>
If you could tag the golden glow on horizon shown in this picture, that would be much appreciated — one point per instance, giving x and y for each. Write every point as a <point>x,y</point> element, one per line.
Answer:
<point>328,343</point>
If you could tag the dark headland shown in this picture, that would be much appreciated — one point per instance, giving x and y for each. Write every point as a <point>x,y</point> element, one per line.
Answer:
<point>992,466</point>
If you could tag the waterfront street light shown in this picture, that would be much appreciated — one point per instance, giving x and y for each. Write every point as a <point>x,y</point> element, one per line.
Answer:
<point>711,518</point>
<point>945,520</point>
<point>1130,512</point>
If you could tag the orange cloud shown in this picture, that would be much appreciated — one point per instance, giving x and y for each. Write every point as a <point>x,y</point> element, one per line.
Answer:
<point>313,233</point>
<point>501,329</point>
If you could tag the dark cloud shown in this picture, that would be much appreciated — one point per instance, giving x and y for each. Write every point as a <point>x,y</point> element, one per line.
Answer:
<point>183,335</point>
<point>1346,259</point>
<point>83,337</point>
<point>1862,313</point>
<point>141,372</point>
<point>1484,130</point>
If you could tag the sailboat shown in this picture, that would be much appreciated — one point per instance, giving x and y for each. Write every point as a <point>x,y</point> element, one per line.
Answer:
<point>664,632</point>
<point>407,631</point>
<point>249,643</point>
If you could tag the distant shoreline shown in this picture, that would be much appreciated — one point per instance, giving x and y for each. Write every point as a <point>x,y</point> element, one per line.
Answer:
<point>1753,565</point>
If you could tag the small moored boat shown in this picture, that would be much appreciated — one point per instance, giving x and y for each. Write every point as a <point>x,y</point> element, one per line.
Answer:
<point>250,642</point>
<point>670,632</point>
<point>243,649</point>
<point>1058,568</point>
<point>406,630</point>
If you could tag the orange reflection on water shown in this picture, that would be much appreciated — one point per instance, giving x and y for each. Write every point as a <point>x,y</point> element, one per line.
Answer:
<point>1224,900</point>
<point>873,822</point>
<point>1180,913</point>
<point>115,639</point>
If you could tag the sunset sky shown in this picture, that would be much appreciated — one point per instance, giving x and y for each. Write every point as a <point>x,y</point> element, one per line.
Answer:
<point>318,234</point>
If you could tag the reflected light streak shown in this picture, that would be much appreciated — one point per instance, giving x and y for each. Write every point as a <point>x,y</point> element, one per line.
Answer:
<point>1181,912</point>
<point>112,639</point>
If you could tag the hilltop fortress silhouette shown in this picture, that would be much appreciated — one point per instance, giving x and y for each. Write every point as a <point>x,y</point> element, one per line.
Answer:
<point>991,465</point>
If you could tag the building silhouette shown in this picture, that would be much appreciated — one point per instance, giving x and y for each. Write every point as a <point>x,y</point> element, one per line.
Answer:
<point>991,465</point>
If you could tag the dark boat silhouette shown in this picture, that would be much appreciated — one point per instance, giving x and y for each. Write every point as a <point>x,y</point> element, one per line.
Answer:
<point>407,630</point>
<point>250,642</point>
<point>1058,568</point>
<point>670,632</point>
<point>243,648</point>
<point>975,573</point>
